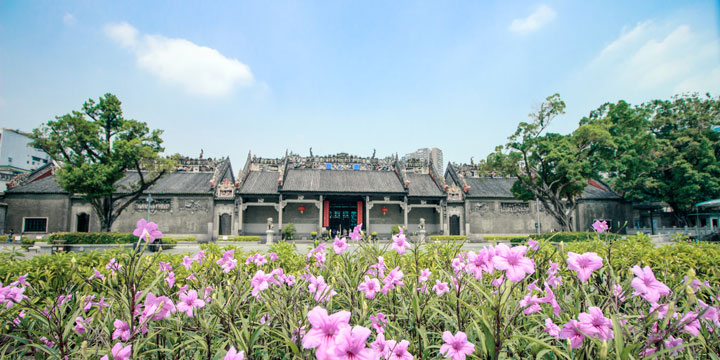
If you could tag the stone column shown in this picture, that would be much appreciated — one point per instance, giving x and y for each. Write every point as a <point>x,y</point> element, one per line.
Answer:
<point>241,210</point>
<point>281,206</point>
<point>405,211</point>
<point>367,215</point>
<point>320,217</point>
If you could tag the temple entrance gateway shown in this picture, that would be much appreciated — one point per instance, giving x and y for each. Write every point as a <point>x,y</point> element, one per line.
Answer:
<point>83,222</point>
<point>225,224</point>
<point>454,225</point>
<point>342,215</point>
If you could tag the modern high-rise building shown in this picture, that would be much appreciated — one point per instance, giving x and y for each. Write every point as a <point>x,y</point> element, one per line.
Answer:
<point>428,154</point>
<point>17,156</point>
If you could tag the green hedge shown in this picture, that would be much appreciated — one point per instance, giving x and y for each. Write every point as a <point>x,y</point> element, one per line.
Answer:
<point>554,237</point>
<point>178,238</point>
<point>239,238</point>
<point>448,237</point>
<point>101,238</point>
<point>94,238</point>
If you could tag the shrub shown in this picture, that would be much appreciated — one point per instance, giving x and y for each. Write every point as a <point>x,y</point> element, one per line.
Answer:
<point>179,238</point>
<point>94,238</point>
<point>395,229</point>
<point>313,235</point>
<point>288,231</point>
<point>239,238</point>
<point>448,237</point>
<point>374,235</point>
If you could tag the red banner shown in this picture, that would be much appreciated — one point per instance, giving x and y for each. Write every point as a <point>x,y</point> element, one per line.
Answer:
<point>326,213</point>
<point>359,213</point>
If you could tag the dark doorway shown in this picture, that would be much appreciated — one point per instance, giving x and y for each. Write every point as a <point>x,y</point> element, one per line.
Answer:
<point>714,223</point>
<point>225,226</point>
<point>343,216</point>
<point>83,222</point>
<point>454,225</point>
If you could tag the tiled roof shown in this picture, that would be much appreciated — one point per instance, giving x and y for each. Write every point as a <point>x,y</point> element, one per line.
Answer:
<point>46,185</point>
<point>261,182</point>
<point>342,181</point>
<point>422,185</point>
<point>173,183</point>
<point>490,187</point>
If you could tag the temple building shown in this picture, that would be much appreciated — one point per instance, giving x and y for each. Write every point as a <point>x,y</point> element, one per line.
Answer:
<point>204,198</point>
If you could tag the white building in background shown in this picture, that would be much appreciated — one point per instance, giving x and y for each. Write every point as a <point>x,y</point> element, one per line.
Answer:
<point>427,154</point>
<point>17,156</point>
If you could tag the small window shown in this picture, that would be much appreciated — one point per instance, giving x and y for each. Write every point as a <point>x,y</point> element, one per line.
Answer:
<point>9,159</point>
<point>35,225</point>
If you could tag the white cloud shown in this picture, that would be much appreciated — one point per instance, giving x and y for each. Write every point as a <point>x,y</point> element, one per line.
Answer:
<point>197,69</point>
<point>542,16</point>
<point>657,60</point>
<point>69,19</point>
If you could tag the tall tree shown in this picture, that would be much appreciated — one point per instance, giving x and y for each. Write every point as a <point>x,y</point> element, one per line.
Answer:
<point>95,147</point>
<point>552,168</point>
<point>664,150</point>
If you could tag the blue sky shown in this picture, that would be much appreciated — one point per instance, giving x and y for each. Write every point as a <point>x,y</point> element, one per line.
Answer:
<point>341,76</point>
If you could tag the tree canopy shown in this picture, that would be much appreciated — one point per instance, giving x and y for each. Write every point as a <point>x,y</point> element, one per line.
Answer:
<point>95,147</point>
<point>663,150</point>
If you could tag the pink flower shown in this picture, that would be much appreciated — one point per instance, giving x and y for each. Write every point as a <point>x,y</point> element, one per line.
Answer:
<point>199,256</point>
<point>113,266</point>
<point>80,324</point>
<point>165,266</point>
<point>170,279</point>
<point>356,234</point>
<point>272,256</point>
<point>458,264</point>
<point>188,302</point>
<point>325,328</point>
<point>350,344</point>
<point>233,354</point>
<point>552,280</point>
<point>597,323</point>
<point>584,264</point>
<point>481,262</point>
<point>531,304</point>
<point>228,261</point>
<point>647,286</point>
<point>600,227</point>
<point>122,330</point>
<point>618,291</point>
<point>572,330</point>
<point>190,277</point>
<point>119,352</point>
<point>322,291</point>
<point>440,287</point>
<point>260,282</point>
<point>97,275</point>
<point>164,306</point>
<point>690,323</point>
<point>394,278</point>
<point>424,275</point>
<point>400,243</point>
<point>499,281</point>
<point>21,280</point>
<point>533,244</point>
<point>711,314</point>
<point>379,346</point>
<point>340,245</point>
<point>671,343</point>
<point>398,351</point>
<point>378,321</point>
<point>370,287</point>
<point>187,262</point>
<point>550,299</point>
<point>456,347</point>
<point>513,261</point>
<point>552,329</point>
<point>147,230</point>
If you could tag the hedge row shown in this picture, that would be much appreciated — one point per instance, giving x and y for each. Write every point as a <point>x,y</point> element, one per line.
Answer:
<point>238,238</point>
<point>448,237</point>
<point>101,238</point>
<point>554,237</point>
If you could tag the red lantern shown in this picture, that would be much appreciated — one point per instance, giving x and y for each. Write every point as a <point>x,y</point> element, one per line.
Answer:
<point>302,209</point>
<point>384,210</point>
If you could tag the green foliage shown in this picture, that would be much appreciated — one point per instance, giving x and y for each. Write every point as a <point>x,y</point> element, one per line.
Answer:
<point>96,146</point>
<point>288,231</point>
<point>179,238</point>
<point>94,238</point>
<point>662,150</point>
<point>395,229</point>
<point>553,168</point>
<point>313,235</point>
<point>239,238</point>
<point>448,237</point>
